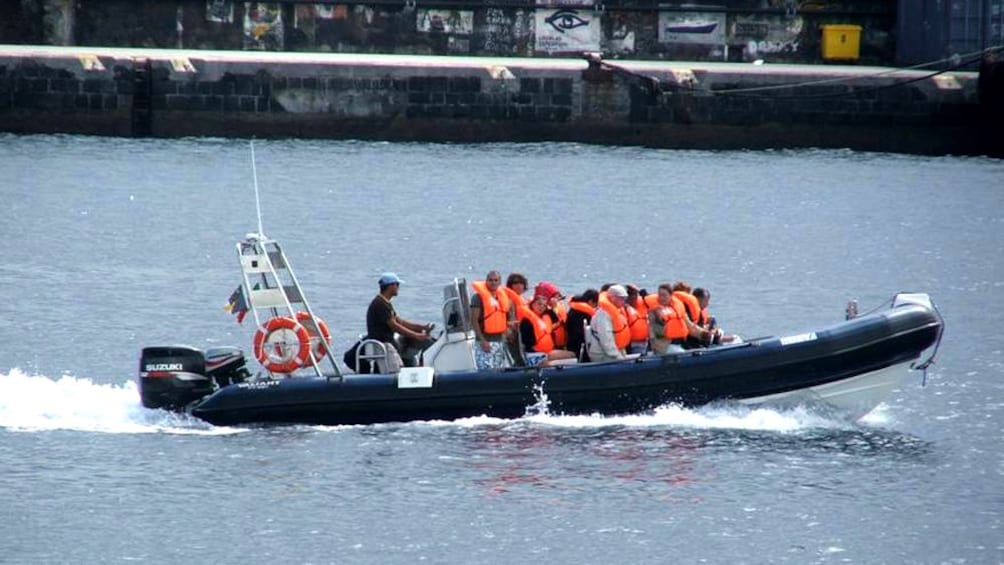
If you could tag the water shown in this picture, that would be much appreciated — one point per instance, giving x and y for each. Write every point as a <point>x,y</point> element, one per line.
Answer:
<point>115,244</point>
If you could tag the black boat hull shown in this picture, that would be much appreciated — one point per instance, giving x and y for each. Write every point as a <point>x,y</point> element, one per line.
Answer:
<point>851,365</point>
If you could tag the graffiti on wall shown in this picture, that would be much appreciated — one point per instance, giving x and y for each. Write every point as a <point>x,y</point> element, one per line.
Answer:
<point>558,27</point>
<point>331,12</point>
<point>445,21</point>
<point>221,11</point>
<point>305,15</point>
<point>695,28</point>
<point>503,32</point>
<point>566,3</point>
<point>619,31</point>
<point>567,30</point>
<point>263,26</point>
<point>456,25</point>
<point>766,35</point>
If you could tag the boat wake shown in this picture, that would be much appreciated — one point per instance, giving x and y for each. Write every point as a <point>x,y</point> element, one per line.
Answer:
<point>40,403</point>
<point>717,417</point>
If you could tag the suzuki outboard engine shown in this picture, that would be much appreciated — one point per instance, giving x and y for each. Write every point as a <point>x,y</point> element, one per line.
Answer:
<point>175,376</point>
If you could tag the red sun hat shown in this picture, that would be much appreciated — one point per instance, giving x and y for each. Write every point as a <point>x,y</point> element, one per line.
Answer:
<point>548,290</point>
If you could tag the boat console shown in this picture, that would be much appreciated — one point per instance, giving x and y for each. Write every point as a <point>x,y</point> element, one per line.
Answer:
<point>454,349</point>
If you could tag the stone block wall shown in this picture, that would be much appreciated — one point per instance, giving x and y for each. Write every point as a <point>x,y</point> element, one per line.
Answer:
<point>160,93</point>
<point>70,99</point>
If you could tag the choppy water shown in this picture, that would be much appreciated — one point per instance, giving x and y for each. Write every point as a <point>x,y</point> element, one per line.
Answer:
<point>114,244</point>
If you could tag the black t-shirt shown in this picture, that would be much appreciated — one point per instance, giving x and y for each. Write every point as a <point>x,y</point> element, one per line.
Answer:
<point>527,335</point>
<point>378,317</point>
<point>574,330</point>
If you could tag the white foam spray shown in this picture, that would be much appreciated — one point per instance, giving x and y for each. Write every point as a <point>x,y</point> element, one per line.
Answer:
<point>36,402</point>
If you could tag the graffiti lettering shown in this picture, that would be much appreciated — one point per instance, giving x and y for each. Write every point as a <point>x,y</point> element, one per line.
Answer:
<point>754,30</point>
<point>767,47</point>
<point>566,19</point>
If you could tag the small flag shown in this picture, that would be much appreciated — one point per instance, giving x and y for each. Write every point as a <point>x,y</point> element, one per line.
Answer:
<point>237,304</point>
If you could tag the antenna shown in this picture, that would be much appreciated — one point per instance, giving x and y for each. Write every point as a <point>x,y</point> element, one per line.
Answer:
<point>257,198</point>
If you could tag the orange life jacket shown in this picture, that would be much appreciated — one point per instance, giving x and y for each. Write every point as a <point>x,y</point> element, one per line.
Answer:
<point>559,330</point>
<point>622,333</point>
<point>652,301</point>
<point>705,318</point>
<point>494,313</point>
<point>674,328</point>
<point>583,307</point>
<point>693,305</point>
<point>543,343</point>
<point>519,301</point>
<point>637,314</point>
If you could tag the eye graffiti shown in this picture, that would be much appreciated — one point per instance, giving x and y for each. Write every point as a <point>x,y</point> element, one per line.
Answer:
<point>566,19</point>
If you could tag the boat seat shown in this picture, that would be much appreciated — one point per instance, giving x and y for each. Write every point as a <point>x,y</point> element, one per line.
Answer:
<point>386,359</point>
<point>555,362</point>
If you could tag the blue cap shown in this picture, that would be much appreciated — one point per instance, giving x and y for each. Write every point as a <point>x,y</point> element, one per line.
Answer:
<point>389,278</point>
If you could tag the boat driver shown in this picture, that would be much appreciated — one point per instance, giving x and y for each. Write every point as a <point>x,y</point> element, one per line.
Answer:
<point>382,322</point>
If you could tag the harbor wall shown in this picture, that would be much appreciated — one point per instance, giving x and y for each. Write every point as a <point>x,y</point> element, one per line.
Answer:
<point>169,93</point>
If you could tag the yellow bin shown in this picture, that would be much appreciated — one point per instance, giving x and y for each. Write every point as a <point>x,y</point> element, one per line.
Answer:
<point>841,42</point>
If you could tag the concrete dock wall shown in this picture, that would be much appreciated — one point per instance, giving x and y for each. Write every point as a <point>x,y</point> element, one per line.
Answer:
<point>698,105</point>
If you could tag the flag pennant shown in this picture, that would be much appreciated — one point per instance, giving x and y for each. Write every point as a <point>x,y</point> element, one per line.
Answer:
<point>237,304</point>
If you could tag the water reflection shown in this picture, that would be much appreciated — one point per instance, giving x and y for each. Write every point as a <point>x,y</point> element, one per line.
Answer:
<point>505,458</point>
<point>509,456</point>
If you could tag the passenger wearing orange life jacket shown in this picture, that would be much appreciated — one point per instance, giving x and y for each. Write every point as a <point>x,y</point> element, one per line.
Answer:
<point>554,298</point>
<point>637,315</point>
<point>491,315</point>
<point>536,334</point>
<point>609,334</point>
<point>580,311</point>
<point>667,321</point>
<point>681,290</point>
<point>515,286</point>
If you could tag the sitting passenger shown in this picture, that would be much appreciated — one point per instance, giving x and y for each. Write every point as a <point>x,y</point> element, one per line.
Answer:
<point>669,324</point>
<point>667,329</point>
<point>536,334</point>
<point>555,306</point>
<point>681,291</point>
<point>515,285</point>
<point>637,315</point>
<point>609,334</point>
<point>707,321</point>
<point>580,311</point>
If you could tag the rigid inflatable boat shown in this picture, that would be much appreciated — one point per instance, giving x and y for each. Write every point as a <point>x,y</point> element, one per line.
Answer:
<point>852,365</point>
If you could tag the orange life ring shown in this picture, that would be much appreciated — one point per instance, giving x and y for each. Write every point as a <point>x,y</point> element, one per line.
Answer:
<point>281,358</point>
<point>323,341</point>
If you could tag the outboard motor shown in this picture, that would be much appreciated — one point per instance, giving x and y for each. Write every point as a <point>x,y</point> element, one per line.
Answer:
<point>226,366</point>
<point>175,376</point>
